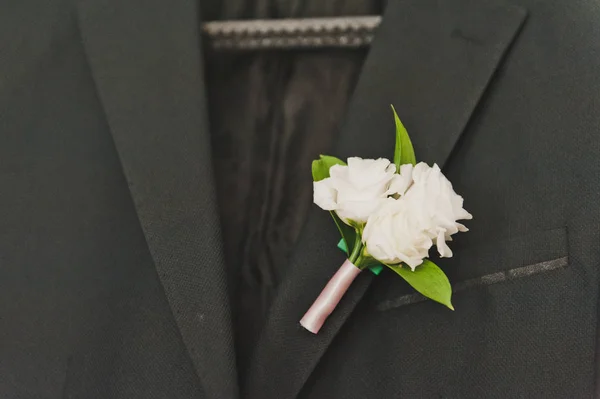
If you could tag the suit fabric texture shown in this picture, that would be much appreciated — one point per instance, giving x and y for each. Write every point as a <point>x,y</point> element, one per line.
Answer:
<point>114,279</point>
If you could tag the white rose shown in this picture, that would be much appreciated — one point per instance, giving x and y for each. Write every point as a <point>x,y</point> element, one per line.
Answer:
<point>356,190</point>
<point>429,208</point>
<point>437,206</point>
<point>392,235</point>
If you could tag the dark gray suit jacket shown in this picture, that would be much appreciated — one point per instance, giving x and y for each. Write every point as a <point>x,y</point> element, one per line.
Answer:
<point>112,279</point>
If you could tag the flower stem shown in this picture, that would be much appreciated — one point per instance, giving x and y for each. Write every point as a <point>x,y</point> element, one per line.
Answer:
<point>356,251</point>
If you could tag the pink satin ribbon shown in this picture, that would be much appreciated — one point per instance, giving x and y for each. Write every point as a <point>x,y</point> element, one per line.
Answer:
<point>330,296</point>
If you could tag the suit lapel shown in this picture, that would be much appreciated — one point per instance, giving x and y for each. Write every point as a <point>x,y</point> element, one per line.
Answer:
<point>145,60</point>
<point>433,60</point>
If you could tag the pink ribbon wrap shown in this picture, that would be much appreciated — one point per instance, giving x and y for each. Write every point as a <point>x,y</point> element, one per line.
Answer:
<point>329,298</point>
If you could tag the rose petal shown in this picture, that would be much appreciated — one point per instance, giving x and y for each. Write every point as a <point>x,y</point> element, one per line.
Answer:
<point>324,195</point>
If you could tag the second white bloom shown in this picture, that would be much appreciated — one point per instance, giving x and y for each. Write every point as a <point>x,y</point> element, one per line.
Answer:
<point>404,230</point>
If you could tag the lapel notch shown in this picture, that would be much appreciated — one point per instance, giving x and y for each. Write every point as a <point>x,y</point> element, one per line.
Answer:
<point>432,59</point>
<point>145,59</point>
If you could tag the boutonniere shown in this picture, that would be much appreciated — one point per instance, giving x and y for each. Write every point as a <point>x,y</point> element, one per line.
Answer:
<point>389,215</point>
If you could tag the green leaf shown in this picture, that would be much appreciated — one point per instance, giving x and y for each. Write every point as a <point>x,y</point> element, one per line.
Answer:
<point>404,152</point>
<point>429,280</point>
<point>347,232</point>
<point>321,166</point>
